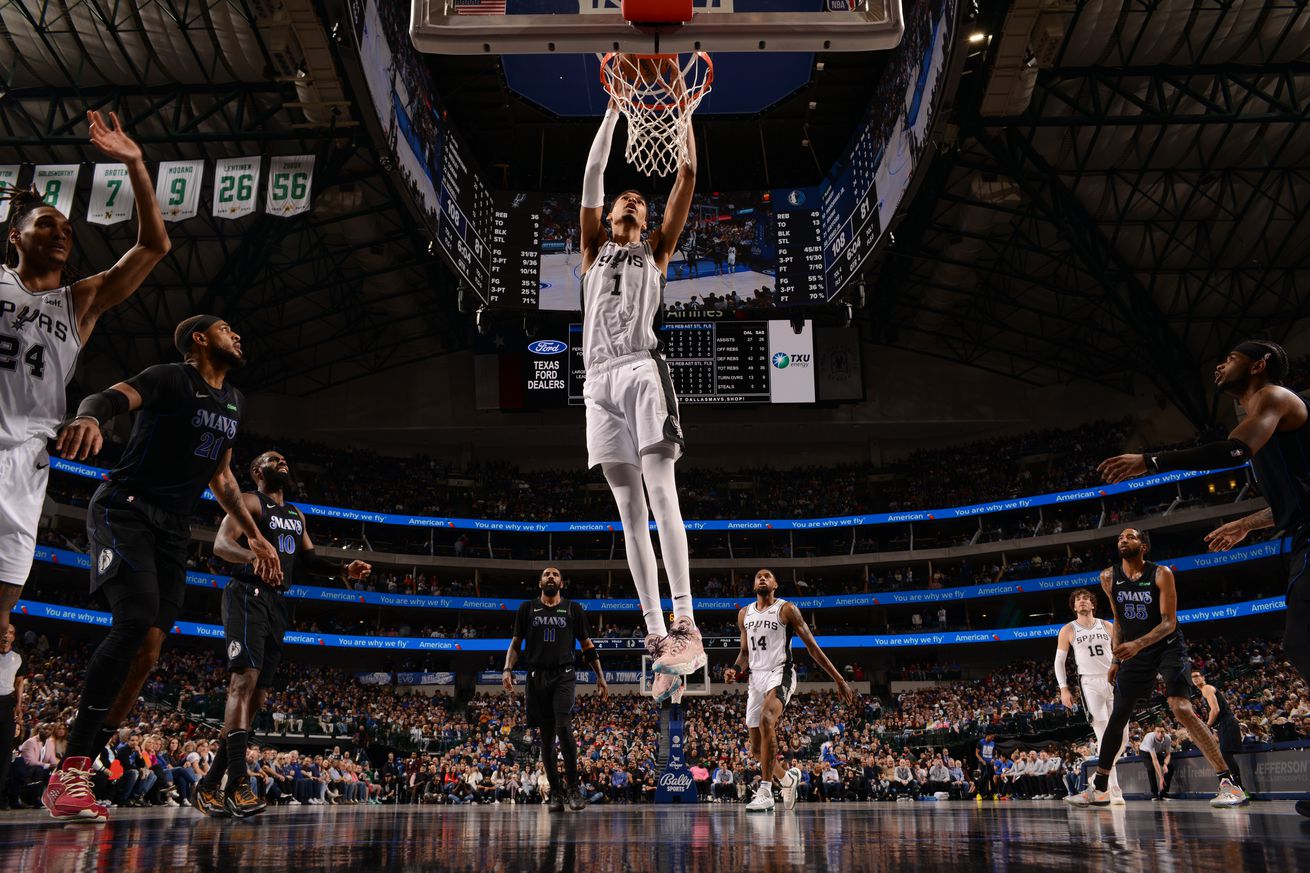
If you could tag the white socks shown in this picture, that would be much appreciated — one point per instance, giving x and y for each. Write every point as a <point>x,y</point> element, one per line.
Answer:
<point>657,469</point>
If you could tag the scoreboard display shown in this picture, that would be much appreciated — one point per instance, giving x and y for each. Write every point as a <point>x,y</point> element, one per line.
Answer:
<point>798,227</point>
<point>515,268</point>
<point>464,216</point>
<point>710,361</point>
<point>851,217</point>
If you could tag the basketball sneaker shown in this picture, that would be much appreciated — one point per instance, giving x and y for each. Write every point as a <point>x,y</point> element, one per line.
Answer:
<point>762,801</point>
<point>1303,807</point>
<point>1117,796</point>
<point>1230,795</point>
<point>243,803</point>
<point>668,686</point>
<point>1089,797</point>
<point>209,801</point>
<point>577,802</point>
<point>683,652</point>
<point>556,803</point>
<point>789,786</point>
<point>655,645</point>
<point>68,794</point>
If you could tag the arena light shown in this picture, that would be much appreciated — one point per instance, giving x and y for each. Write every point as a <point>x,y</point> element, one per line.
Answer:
<point>977,37</point>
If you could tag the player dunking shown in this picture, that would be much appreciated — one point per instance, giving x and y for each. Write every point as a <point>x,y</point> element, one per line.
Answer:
<point>1148,643</point>
<point>1275,437</point>
<point>254,620</point>
<point>633,432</point>
<point>551,625</point>
<point>1091,641</point>
<point>767,627</point>
<point>46,317</point>
<point>138,527</point>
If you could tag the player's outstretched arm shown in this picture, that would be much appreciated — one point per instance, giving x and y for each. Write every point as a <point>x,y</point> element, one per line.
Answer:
<point>738,668</point>
<point>1224,537</point>
<point>511,658</point>
<point>228,494</point>
<point>96,294</point>
<point>664,241</point>
<point>81,438</point>
<point>1061,674</point>
<point>591,234</point>
<point>792,616</point>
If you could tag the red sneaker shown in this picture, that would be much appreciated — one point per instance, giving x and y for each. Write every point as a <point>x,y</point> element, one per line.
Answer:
<point>68,794</point>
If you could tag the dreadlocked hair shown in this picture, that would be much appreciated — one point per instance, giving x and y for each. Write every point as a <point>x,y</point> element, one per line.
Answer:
<point>22,203</point>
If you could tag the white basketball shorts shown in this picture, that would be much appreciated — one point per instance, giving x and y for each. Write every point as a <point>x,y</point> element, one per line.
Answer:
<point>631,409</point>
<point>24,471</point>
<point>1098,697</point>
<point>782,679</point>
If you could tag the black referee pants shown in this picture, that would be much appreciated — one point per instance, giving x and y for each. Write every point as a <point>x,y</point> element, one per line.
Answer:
<point>7,704</point>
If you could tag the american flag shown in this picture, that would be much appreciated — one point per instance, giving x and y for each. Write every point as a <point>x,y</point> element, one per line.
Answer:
<point>480,7</point>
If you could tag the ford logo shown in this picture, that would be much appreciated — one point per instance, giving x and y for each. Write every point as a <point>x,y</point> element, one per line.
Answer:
<point>548,347</point>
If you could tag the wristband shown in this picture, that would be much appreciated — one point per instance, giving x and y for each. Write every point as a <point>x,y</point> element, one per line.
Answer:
<point>103,406</point>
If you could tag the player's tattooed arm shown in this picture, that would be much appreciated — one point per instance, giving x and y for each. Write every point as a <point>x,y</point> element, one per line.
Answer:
<point>228,494</point>
<point>738,668</point>
<point>227,544</point>
<point>1107,585</point>
<point>792,616</point>
<point>1224,537</point>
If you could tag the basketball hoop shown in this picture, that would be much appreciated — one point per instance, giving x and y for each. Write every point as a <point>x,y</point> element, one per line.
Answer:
<point>657,95</point>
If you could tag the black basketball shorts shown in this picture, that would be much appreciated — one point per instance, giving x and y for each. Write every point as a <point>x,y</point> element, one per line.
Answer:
<point>138,549</point>
<point>550,695</point>
<point>254,621</point>
<point>1168,660</point>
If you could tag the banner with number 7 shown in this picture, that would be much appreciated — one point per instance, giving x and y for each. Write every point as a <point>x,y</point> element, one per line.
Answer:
<point>289,181</point>
<point>178,189</point>
<point>111,195</point>
<point>236,185</point>
<point>8,179</point>
<point>56,183</point>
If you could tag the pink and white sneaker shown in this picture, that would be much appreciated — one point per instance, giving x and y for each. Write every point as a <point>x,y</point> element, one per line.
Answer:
<point>683,653</point>
<point>655,645</point>
<point>68,794</point>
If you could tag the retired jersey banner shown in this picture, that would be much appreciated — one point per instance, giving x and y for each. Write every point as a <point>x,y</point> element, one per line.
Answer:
<point>111,195</point>
<point>8,179</point>
<point>289,180</point>
<point>178,189</point>
<point>236,184</point>
<point>55,183</point>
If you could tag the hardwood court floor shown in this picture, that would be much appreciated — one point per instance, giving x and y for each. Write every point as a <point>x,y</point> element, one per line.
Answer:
<point>923,837</point>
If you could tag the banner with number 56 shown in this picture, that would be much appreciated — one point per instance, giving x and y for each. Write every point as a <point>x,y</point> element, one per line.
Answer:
<point>236,183</point>
<point>289,180</point>
<point>178,189</point>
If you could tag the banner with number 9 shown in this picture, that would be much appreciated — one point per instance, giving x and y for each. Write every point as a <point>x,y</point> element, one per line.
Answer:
<point>178,189</point>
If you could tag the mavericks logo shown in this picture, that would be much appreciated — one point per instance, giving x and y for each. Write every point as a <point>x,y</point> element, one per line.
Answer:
<point>548,347</point>
<point>106,559</point>
<point>233,650</point>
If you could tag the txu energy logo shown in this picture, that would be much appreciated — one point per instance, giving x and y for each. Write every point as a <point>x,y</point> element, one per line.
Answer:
<point>782,360</point>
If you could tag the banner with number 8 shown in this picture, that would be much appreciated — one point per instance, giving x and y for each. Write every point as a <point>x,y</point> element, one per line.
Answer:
<point>56,183</point>
<point>289,180</point>
<point>111,195</point>
<point>178,189</point>
<point>236,181</point>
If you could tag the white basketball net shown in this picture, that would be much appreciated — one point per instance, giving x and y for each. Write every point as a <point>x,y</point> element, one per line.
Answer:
<point>657,97</point>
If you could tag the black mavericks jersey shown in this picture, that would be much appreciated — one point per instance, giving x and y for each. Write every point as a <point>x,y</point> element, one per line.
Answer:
<point>284,527</point>
<point>550,632</point>
<point>1137,603</point>
<point>182,430</point>
<point>1282,469</point>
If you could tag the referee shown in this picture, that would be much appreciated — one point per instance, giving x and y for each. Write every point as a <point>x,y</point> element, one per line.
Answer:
<point>12,671</point>
<point>551,626</point>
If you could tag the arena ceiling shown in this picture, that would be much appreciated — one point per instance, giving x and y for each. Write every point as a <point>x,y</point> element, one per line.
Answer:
<point>1122,191</point>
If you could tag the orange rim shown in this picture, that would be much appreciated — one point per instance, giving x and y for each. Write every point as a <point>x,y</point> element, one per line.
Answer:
<point>692,95</point>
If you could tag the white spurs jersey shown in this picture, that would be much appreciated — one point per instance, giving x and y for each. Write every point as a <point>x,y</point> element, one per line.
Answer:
<point>1091,648</point>
<point>622,293</point>
<point>768,639</point>
<point>38,351</point>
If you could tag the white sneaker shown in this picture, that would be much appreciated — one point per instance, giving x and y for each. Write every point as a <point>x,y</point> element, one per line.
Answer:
<point>1117,796</point>
<point>293,802</point>
<point>762,801</point>
<point>1230,795</point>
<point>790,788</point>
<point>1089,797</point>
<point>169,802</point>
